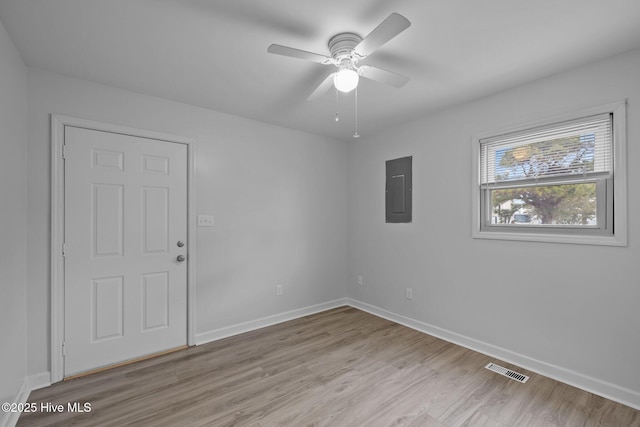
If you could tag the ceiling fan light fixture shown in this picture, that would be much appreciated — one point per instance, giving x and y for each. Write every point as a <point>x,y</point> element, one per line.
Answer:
<point>346,80</point>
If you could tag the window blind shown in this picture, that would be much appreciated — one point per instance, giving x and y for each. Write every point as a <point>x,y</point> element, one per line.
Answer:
<point>572,148</point>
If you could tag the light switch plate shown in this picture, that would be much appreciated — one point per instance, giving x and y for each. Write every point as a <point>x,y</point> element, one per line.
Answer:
<point>205,221</point>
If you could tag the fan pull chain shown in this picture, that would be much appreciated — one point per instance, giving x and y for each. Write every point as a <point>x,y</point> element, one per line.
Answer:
<point>337,116</point>
<point>356,134</point>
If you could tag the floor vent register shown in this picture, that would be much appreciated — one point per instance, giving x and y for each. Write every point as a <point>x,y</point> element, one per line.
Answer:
<point>507,373</point>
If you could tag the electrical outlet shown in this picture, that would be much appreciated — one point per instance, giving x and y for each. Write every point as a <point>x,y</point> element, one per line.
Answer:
<point>278,290</point>
<point>205,221</point>
<point>360,280</point>
<point>409,293</point>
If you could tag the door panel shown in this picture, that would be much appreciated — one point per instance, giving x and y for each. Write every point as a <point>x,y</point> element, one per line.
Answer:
<point>107,306</point>
<point>155,217</point>
<point>125,210</point>
<point>107,226</point>
<point>156,300</point>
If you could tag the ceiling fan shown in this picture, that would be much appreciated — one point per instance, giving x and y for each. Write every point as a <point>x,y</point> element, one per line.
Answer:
<point>346,50</point>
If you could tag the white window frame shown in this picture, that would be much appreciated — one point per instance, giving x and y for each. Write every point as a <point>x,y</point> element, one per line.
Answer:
<point>616,188</point>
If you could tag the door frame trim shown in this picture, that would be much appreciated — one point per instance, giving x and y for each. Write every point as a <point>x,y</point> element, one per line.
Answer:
<point>58,124</point>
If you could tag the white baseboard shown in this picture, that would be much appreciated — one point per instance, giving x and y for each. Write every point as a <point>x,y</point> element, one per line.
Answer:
<point>40,380</point>
<point>584,382</point>
<point>217,334</point>
<point>602,388</point>
<point>10,419</point>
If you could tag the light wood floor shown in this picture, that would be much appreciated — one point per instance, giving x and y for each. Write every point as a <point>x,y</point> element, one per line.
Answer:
<point>342,367</point>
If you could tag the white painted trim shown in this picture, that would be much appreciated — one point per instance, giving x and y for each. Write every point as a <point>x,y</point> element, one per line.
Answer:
<point>10,419</point>
<point>584,382</point>
<point>38,381</point>
<point>57,238</point>
<point>58,123</point>
<point>620,181</point>
<point>240,328</point>
<point>191,244</point>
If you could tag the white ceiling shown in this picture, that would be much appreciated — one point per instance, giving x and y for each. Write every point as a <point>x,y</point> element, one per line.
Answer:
<point>213,53</point>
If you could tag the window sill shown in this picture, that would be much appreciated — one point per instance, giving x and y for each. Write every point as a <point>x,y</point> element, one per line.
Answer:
<point>615,240</point>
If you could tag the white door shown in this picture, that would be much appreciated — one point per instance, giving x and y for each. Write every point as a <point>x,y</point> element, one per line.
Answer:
<point>125,291</point>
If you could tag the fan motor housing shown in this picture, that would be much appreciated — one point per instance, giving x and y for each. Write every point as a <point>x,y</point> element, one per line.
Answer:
<point>341,45</point>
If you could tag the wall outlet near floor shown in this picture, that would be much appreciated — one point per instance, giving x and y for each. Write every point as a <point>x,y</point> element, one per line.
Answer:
<point>278,290</point>
<point>409,293</point>
<point>360,279</point>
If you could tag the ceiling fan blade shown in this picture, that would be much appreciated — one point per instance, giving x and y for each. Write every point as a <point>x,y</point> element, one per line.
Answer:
<point>388,29</point>
<point>383,76</point>
<point>297,53</point>
<point>323,88</point>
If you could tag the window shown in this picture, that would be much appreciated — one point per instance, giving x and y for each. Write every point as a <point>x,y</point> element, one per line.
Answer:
<point>561,180</point>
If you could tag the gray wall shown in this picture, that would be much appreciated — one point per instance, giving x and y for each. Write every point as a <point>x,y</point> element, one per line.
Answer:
<point>280,201</point>
<point>574,307</point>
<point>278,196</point>
<point>13,227</point>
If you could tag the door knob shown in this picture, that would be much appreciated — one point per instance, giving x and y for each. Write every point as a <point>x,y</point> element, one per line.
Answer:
<point>180,258</point>
<point>180,243</point>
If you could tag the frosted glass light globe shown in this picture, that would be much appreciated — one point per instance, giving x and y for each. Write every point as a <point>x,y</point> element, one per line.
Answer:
<point>346,80</point>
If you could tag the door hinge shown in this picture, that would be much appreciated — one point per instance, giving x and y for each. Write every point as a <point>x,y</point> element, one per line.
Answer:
<point>64,151</point>
<point>64,249</point>
<point>64,350</point>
